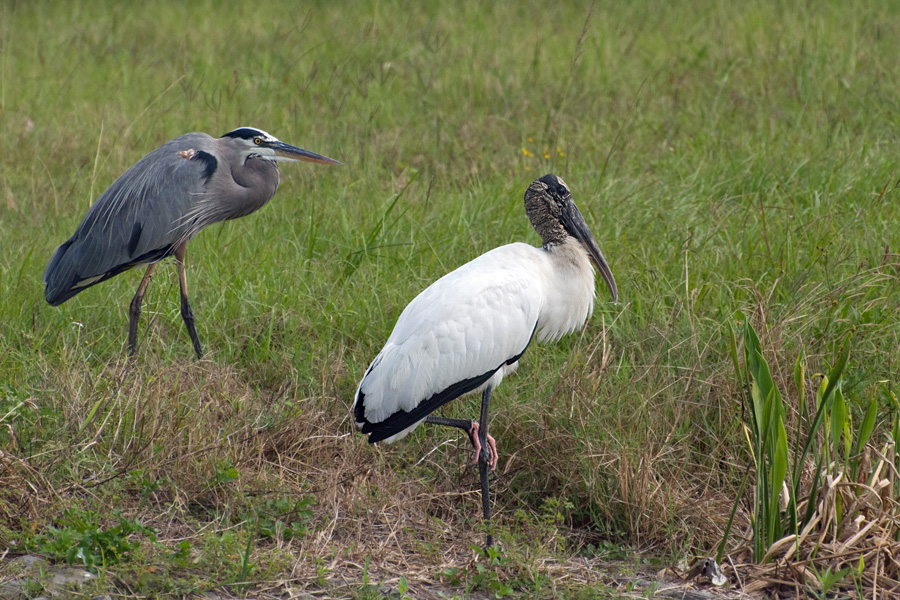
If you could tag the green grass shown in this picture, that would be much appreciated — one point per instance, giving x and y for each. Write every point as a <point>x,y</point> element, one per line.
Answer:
<point>730,159</point>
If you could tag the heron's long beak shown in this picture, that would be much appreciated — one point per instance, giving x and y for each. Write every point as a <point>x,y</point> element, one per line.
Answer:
<point>288,152</point>
<point>574,223</point>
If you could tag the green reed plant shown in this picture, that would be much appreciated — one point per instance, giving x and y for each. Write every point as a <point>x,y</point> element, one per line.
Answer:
<point>830,448</point>
<point>768,440</point>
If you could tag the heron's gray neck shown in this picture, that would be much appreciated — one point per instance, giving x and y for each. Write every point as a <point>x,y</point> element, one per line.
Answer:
<point>257,181</point>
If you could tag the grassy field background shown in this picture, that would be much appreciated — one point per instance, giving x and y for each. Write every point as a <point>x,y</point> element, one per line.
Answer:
<point>733,160</point>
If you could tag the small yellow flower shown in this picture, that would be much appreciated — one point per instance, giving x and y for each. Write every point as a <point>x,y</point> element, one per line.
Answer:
<point>546,154</point>
<point>526,152</point>
<point>559,151</point>
<point>530,140</point>
<point>527,168</point>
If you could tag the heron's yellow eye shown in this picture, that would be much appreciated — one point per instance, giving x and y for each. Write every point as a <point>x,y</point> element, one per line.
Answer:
<point>257,141</point>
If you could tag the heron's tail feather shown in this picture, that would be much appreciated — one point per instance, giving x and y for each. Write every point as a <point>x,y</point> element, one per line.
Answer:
<point>69,273</point>
<point>59,277</point>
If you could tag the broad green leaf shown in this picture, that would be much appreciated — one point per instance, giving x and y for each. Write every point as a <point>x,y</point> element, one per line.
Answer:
<point>838,417</point>
<point>778,472</point>
<point>838,369</point>
<point>865,432</point>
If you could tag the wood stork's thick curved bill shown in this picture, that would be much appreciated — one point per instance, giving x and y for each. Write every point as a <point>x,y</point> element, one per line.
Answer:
<point>574,223</point>
<point>470,328</point>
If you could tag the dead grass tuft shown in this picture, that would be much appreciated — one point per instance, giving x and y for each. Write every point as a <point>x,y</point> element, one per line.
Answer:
<point>24,495</point>
<point>849,542</point>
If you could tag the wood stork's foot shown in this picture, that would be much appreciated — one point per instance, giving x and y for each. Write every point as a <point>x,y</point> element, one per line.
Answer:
<point>491,449</point>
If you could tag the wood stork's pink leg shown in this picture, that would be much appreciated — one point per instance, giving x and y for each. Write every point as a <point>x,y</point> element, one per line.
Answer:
<point>491,445</point>
<point>484,460</point>
<point>471,428</point>
<point>485,453</point>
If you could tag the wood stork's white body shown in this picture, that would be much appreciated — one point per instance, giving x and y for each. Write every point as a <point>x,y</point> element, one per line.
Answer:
<point>468,329</point>
<point>473,324</point>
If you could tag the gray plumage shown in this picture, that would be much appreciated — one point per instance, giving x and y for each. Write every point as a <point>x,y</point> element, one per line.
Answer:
<point>164,200</point>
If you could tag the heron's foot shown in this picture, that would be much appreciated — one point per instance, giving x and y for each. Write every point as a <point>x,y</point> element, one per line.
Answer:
<point>493,456</point>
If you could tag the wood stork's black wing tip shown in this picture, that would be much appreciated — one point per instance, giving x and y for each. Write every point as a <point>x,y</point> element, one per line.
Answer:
<point>401,419</point>
<point>359,415</point>
<point>359,411</point>
<point>376,436</point>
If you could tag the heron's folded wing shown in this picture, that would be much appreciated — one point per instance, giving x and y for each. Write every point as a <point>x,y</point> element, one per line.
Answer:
<point>138,219</point>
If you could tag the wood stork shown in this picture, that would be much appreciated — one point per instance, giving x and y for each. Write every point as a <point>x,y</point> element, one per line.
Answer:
<point>470,327</point>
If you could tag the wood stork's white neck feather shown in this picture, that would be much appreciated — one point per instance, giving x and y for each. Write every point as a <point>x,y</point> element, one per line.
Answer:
<point>568,290</point>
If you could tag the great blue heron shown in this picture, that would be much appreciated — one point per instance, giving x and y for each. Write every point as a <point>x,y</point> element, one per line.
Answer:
<point>154,209</point>
<point>470,328</point>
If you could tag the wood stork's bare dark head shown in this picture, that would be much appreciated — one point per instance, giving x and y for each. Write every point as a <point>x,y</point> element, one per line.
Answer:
<point>556,218</point>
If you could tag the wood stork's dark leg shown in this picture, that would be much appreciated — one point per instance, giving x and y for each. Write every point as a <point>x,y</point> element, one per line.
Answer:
<point>484,462</point>
<point>186,313</point>
<point>134,311</point>
<point>486,453</point>
<point>471,428</point>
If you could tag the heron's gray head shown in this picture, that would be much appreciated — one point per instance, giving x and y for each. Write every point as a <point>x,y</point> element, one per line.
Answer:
<point>553,214</point>
<point>250,142</point>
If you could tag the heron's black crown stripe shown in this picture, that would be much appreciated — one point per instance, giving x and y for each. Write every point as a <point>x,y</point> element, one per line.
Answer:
<point>401,419</point>
<point>245,133</point>
<point>209,162</point>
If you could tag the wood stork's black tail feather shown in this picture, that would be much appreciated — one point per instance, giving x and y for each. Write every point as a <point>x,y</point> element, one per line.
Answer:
<point>402,419</point>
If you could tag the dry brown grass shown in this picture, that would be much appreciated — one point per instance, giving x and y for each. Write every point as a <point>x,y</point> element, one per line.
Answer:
<point>409,509</point>
<point>413,509</point>
<point>854,527</point>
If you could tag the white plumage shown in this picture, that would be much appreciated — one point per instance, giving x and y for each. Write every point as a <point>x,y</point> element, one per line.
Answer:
<point>468,329</point>
<point>473,320</point>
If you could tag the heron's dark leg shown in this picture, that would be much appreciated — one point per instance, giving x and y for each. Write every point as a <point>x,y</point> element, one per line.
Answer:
<point>484,461</point>
<point>471,428</point>
<point>186,313</point>
<point>134,311</point>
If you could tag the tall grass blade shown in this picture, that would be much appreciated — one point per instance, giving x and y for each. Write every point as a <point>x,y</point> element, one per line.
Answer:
<point>838,419</point>
<point>823,400</point>
<point>737,500</point>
